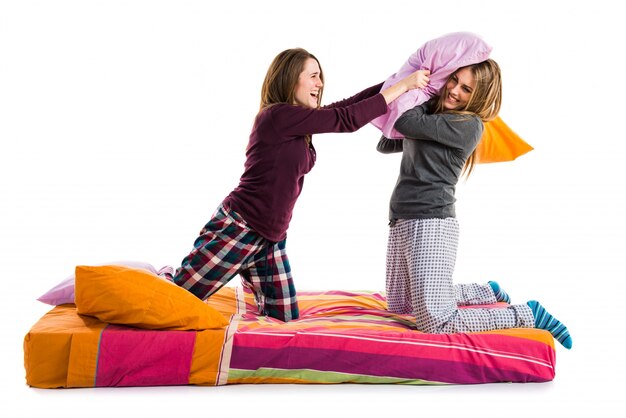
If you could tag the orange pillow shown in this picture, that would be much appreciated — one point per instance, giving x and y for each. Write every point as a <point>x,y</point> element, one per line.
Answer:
<point>136,297</point>
<point>499,143</point>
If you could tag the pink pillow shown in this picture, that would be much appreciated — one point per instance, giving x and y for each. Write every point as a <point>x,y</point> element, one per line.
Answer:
<point>64,291</point>
<point>441,56</point>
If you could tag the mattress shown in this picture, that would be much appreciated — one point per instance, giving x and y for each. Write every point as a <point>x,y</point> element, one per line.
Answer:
<point>341,337</point>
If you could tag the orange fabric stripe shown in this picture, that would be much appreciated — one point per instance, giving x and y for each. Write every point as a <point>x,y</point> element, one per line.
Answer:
<point>539,335</point>
<point>48,345</point>
<point>223,300</point>
<point>83,360</point>
<point>206,357</point>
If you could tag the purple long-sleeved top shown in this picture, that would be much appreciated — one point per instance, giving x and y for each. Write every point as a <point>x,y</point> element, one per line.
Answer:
<point>278,157</point>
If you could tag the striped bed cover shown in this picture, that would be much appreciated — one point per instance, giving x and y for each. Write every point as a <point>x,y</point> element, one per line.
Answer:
<point>341,337</point>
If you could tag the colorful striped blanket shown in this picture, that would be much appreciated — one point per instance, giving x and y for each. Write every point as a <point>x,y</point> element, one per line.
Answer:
<point>341,337</point>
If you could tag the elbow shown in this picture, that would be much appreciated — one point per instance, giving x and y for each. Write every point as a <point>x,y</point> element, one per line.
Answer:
<point>348,122</point>
<point>400,126</point>
<point>381,146</point>
<point>387,146</point>
<point>407,123</point>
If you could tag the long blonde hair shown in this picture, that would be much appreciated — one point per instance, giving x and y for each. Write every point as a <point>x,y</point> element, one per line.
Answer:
<point>282,77</point>
<point>484,102</point>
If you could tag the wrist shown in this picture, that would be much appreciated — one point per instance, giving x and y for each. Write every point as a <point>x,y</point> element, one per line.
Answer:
<point>405,86</point>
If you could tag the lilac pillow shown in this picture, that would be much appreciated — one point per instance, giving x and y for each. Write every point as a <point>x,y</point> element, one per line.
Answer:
<point>441,56</point>
<point>64,291</point>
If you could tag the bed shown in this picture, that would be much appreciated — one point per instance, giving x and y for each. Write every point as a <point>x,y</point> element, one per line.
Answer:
<point>341,337</point>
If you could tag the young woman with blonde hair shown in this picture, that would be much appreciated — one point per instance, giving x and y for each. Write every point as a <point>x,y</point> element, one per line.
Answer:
<point>247,233</point>
<point>439,146</point>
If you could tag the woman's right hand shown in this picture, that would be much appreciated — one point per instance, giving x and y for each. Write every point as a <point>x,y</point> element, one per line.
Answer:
<point>418,79</point>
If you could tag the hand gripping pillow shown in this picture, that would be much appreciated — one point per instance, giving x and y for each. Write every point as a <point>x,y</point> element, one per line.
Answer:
<point>139,298</point>
<point>442,57</point>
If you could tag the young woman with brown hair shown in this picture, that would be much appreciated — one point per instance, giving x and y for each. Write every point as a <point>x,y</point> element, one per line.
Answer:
<point>247,233</point>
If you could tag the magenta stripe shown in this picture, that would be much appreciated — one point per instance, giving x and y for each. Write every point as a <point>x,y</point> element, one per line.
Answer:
<point>352,315</point>
<point>382,365</point>
<point>361,322</point>
<point>136,357</point>
<point>316,295</point>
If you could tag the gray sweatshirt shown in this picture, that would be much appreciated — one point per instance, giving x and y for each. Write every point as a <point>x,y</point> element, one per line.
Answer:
<point>433,155</point>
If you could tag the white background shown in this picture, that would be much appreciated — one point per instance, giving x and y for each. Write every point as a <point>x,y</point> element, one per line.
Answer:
<point>123,125</point>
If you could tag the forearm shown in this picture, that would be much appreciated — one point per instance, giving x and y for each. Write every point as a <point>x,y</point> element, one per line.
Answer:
<point>417,80</point>
<point>451,130</point>
<point>409,123</point>
<point>389,146</point>
<point>297,120</point>
<point>365,94</point>
<point>393,92</point>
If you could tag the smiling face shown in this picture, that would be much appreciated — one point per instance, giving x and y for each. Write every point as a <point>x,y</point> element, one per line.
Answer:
<point>459,89</point>
<point>309,85</point>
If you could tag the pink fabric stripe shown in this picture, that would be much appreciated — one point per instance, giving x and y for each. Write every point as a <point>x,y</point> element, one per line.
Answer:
<point>137,357</point>
<point>322,359</point>
<point>477,349</point>
<point>373,295</point>
<point>468,363</point>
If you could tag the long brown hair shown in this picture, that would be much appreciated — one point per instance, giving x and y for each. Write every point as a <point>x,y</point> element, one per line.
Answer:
<point>282,77</point>
<point>484,102</point>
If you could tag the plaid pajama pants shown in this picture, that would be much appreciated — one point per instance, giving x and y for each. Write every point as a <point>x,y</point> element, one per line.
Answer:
<point>227,246</point>
<point>421,254</point>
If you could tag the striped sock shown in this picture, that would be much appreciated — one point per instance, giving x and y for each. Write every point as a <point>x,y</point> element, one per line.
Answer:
<point>544,320</point>
<point>501,295</point>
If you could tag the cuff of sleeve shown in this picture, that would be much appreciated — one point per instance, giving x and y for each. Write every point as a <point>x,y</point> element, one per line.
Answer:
<point>381,104</point>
